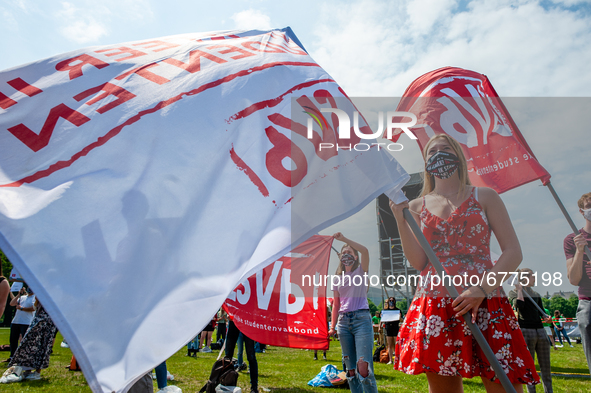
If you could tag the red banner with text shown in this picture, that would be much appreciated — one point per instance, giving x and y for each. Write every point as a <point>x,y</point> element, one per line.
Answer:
<point>464,105</point>
<point>284,304</point>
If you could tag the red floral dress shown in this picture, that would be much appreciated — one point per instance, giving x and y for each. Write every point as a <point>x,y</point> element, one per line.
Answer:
<point>432,339</point>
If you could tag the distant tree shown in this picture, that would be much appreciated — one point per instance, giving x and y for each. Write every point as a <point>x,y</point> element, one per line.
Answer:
<point>557,302</point>
<point>571,306</point>
<point>402,305</point>
<point>546,303</point>
<point>6,265</point>
<point>372,307</point>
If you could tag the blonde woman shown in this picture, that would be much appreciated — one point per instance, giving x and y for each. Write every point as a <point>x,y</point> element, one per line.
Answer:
<point>354,324</point>
<point>457,220</point>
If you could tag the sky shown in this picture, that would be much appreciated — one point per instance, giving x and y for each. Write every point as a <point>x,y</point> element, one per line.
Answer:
<point>535,53</point>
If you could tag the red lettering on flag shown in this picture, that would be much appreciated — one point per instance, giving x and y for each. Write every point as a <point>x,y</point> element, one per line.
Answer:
<point>144,73</point>
<point>24,87</point>
<point>194,64</point>
<point>249,172</point>
<point>266,47</point>
<point>282,148</point>
<point>37,142</point>
<point>137,117</point>
<point>107,89</point>
<point>122,50</point>
<point>232,49</point>
<point>75,70</point>
<point>6,102</point>
<point>155,44</point>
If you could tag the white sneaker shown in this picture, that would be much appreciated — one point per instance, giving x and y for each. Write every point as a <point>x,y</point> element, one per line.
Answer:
<point>206,350</point>
<point>571,346</point>
<point>64,345</point>
<point>8,371</point>
<point>33,376</point>
<point>170,389</point>
<point>15,376</point>
<point>169,376</point>
<point>559,346</point>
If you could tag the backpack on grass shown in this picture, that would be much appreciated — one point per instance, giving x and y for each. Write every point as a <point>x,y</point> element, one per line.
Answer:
<point>377,352</point>
<point>222,372</point>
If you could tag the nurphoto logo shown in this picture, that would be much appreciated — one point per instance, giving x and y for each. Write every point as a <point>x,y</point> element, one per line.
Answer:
<point>344,131</point>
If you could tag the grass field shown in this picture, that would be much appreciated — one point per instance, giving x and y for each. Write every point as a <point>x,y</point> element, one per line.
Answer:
<point>282,370</point>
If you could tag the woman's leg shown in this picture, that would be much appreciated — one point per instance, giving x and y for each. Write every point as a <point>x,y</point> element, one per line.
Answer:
<point>391,342</point>
<point>240,354</point>
<point>252,364</point>
<point>440,384</point>
<point>209,335</point>
<point>161,374</point>
<point>492,387</point>
<point>202,339</point>
<point>563,331</point>
<point>363,331</point>
<point>15,331</point>
<point>558,334</point>
<point>347,340</point>
<point>231,338</point>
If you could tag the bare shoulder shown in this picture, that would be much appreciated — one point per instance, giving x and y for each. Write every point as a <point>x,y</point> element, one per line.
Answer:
<point>415,205</point>
<point>487,196</point>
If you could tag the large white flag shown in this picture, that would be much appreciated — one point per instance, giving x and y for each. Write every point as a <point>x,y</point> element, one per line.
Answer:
<point>141,182</point>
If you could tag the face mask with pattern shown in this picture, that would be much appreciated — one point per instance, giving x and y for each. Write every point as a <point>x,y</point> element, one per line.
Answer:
<point>587,214</point>
<point>442,164</point>
<point>347,259</point>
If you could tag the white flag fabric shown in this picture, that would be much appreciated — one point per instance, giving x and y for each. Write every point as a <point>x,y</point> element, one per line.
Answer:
<point>141,182</point>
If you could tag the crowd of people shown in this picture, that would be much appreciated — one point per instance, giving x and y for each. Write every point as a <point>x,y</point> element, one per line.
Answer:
<point>457,219</point>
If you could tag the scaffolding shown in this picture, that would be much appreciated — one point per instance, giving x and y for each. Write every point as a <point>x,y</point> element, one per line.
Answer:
<point>394,267</point>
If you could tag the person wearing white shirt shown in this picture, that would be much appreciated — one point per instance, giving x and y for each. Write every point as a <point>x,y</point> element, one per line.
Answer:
<point>25,311</point>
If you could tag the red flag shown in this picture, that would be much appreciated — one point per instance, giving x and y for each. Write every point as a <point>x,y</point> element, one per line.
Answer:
<point>284,304</point>
<point>464,105</point>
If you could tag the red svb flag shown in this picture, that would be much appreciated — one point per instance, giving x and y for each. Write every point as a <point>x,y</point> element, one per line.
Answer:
<point>464,105</point>
<point>284,304</point>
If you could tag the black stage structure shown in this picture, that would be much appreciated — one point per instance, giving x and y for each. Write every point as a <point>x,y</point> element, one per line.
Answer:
<point>393,263</point>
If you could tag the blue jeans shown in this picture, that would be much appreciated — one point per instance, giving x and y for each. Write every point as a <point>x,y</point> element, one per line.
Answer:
<point>584,319</point>
<point>563,333</point>
<point>356,335</point>
<point>161,374</point>
<point>240,344</point>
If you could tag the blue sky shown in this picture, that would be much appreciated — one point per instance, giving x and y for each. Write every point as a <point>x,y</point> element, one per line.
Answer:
<point>527,48</point>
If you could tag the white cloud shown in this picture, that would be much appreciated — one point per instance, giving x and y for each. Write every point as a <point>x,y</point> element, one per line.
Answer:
<point>84,31</point>
<point>378,48</point>
<point>79,25</point>
<point>251,19</point>
<point>527,48</point>
<point>87,21</point>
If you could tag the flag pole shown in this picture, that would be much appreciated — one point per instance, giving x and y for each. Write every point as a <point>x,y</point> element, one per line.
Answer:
<point>566,215</point>
<point>546,316</point>
<point>507,385</point>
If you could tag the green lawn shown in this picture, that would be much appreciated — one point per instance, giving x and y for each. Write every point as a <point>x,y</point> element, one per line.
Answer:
<point>282,370</point>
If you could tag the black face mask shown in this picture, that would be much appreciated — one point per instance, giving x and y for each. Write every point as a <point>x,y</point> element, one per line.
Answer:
<point>442,165</point>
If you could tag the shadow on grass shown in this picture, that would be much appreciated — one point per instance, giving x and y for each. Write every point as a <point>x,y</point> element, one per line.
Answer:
<point>569,370</point>
<point>43,382</point>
